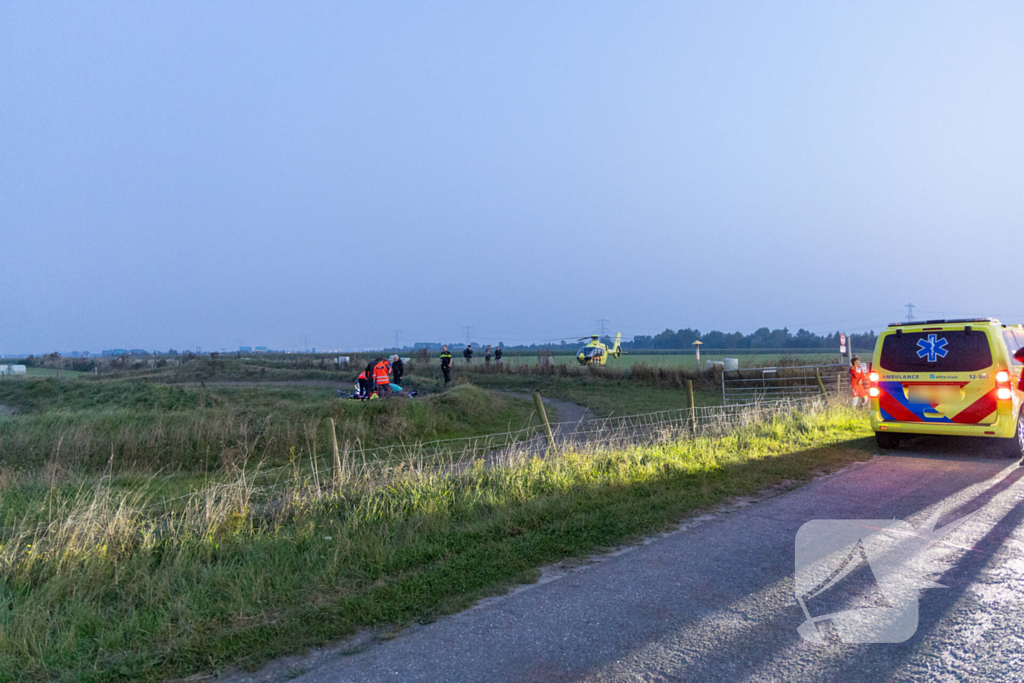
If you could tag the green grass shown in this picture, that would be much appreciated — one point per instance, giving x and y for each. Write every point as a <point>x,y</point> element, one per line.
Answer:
<point>51,372</point>
<point>116,596</point>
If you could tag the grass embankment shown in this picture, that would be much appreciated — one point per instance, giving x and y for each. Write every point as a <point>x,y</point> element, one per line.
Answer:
<point>118,595</point>
<point>64,435</point>
<point>82,425</point>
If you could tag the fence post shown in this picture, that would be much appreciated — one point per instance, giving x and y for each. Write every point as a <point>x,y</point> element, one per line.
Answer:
<point>821,385</point>
<point>693,408</point>
<point>723,385</point>
<point>544,418</point>
<point>337,458</point>
<point>839,384</point>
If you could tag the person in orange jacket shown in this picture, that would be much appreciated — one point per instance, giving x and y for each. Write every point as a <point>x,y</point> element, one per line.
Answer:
<point>381,379</point>
<point>363,384</point>
<point>858,383</point>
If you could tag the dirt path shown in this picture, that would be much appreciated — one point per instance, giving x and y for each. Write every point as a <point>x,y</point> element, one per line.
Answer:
<point>570,415</point>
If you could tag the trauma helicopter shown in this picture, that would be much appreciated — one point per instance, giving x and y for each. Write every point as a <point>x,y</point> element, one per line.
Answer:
<point>596,352</point>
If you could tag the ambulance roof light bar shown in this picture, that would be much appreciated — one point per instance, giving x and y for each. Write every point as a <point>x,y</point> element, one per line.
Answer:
<point>946,322</point>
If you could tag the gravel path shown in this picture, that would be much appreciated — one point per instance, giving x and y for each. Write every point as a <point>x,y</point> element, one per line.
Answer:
<point>570,415</point>
<point>714,600</point>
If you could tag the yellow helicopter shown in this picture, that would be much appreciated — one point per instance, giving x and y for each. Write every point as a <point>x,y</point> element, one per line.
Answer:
<point>595,352</point>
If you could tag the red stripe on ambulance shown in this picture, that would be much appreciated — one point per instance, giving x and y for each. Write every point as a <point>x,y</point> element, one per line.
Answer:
<point>974,413</point>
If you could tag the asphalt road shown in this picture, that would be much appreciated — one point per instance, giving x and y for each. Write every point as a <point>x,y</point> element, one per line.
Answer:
<point>714,600</point>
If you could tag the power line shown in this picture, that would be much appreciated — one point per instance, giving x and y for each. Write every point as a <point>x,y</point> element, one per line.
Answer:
<point>469,334</point>
<point>910,312</point>
<point>602,322</point>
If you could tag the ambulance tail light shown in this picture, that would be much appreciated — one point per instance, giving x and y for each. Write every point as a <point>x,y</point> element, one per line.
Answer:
<point>873,390</point>
<point>1003,390</point>
<point>873,377</point>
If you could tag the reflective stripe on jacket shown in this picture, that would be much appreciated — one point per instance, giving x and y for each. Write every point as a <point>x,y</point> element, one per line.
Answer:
<point>380,373</point>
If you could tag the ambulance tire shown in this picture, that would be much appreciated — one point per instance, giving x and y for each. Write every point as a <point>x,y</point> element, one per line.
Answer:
<point>1014,446</point>
<point>885,440</point>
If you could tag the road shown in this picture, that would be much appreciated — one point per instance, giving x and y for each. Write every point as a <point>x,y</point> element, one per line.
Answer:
<point>714,600</point>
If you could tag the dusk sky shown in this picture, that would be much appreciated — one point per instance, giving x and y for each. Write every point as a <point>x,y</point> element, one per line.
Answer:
<point>324,174</point>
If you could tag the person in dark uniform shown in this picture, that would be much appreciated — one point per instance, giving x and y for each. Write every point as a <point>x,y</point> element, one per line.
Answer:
<point>487,355</point>
<point>397,368</point>
<point>497,356</point>
<point>446,364</point>
<point>468,353</point>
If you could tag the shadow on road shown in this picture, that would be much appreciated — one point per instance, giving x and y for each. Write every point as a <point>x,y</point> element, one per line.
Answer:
<point>750,646</point>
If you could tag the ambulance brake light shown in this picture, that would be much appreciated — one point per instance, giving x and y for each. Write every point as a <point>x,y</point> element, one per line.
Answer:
<point>873,392</point>
<point>1004,394</point>
<point>873,377</point>
<point>1002,376</point>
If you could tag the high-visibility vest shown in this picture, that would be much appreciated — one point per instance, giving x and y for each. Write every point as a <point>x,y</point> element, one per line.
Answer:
<point>362,375</point>
<point>380,373</point>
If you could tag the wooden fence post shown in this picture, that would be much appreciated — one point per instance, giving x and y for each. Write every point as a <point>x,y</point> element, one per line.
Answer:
<point>693,408</point>
<point>544,418</point>
<point>337,457</point>
<point>821,385</point>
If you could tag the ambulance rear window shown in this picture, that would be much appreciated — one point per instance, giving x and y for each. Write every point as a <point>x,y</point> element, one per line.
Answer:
<point>948,351</point>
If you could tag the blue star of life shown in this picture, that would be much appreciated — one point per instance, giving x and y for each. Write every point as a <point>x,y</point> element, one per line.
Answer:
<point>932,348</point>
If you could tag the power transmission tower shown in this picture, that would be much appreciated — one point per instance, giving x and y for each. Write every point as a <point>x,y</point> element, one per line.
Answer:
<point>469,334</point>
<point>910,312</point>
<point>602,323</point>
<point>398,334</point>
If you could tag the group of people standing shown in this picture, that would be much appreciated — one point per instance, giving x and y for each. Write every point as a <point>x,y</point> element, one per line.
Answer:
<point>382,375</point>
<point>467,353</point>
<point>376,378</point>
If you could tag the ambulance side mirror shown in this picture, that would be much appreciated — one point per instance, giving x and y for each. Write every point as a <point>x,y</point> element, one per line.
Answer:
<point>1019,355</point>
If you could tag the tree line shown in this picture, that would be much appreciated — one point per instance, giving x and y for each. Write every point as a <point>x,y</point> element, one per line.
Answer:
<point>763,338</point>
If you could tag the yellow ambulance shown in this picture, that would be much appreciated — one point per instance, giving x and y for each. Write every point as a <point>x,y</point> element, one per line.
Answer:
<point>956,377</point>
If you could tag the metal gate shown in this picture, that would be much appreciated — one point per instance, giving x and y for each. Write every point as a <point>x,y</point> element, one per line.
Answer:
<point>752,385</point>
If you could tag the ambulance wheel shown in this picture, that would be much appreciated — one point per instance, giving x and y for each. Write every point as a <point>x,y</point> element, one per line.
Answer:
<point>1014,446</point>
<point>886,440</point>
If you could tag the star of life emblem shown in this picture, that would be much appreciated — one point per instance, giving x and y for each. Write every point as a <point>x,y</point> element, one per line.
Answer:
<point>931,348</point>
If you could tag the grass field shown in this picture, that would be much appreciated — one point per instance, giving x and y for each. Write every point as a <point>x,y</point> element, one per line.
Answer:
<point>44,372</point>
<point>111,593</point>
<point>685,361</point>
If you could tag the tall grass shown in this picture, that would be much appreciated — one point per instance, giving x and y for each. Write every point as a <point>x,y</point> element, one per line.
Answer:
<point>110,589</point>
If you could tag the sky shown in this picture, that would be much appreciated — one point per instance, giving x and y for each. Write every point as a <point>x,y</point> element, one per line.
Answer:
<point>334,175</point>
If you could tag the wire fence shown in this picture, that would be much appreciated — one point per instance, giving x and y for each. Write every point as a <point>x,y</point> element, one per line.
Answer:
<point>457,455</point>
